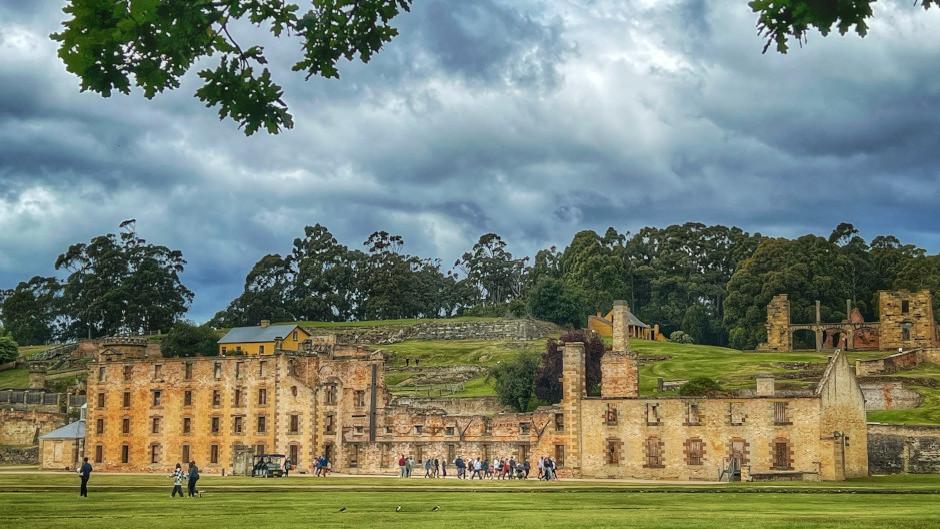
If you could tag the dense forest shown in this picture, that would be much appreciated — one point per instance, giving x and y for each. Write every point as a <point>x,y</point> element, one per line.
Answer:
<point>712,282</point>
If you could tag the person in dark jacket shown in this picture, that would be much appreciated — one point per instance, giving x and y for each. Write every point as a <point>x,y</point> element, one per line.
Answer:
<point>193,478</point>
<point>84,472</point>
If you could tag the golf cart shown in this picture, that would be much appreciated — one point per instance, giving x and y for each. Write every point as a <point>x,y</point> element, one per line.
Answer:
<point>267,465</point>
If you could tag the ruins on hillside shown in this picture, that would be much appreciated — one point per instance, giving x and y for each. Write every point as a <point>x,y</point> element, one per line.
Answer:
<point>906,322</point>
<point>147,413</point>
<point>603,324</point>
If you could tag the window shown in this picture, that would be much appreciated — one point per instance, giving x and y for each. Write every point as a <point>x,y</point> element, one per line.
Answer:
<point>610,417</point>
<point>294,335</point>
<point>217,370</point>
<point>739,450</point>
<point>126,425</point>
<point>99,453</point>
<point>238,424</point>
<point>127,399</point>
<point>487,425</point>
<point>905,332</point>
<point>224,350</point>
<point>780,413</point>
<point>238,349</point>
<point>262,368</point>
<point>101,373</point>
<point>352,459</point>
<point>293,454</point>
<point>293,391</point>
<point>613,451</point>
<point>157,397</point>
<point>781,459</point>
<point>654,453</point>
<point>101,400</point>
<point>523,452</point>
<point>388,430</point>
<point>449,430</point>
<point>330,423</point>
<point>693,414</point>
<point>99,426</point>
<point>187,425</point>
<point>261,349</point>
<point>419,428</point>
<point>359,429</point>
<point>451,452</point>
<point>155,453</point>
<point>736,415</point>
<point>262,424</point>
<point>524,427</point>
<point>188,370</point>
<point>652,414</point>
<point>188,398</point>
<point>331,394</point>
<point>184,453</point>
<point>905,306</point>
<point>294,424</point>
<point>155,425</point>
<point>694,450</point>
<point>559,422</point>
<point>262,397</point>
<point>259,449</point>
<point>214,454</point>
<point>157,371</point>
<point>239,366</point>
<point>215,425</point>
<point>128,372</point>
<point>125,454</point>
<point>238,398</point>
<point>359,397</point>
<point>216,398</point>
<point>559,455</point>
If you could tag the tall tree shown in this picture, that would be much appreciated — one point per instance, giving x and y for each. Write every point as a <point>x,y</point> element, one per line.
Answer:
<point>492,271</point>
<point>109,44</point>
<point>30,311</point>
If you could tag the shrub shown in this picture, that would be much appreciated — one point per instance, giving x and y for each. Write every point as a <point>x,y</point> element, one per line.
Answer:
<point>700,387</point>
<point>9,349</point>
<point>514,381</point>
<point>680,337</point>
<point>188,339</point>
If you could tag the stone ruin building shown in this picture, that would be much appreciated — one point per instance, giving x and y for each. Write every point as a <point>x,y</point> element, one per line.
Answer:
<point>146,414</point>
<point>906,322</point>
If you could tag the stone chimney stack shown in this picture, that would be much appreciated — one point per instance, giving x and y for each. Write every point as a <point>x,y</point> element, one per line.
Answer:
<point>265,323</point>
<point>37,376</point>
<point>765,386</point>
<point>620,326</point>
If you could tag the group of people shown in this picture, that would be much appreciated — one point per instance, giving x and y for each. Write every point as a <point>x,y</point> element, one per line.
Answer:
<point>191,475</point>
<point>479,468</point>
<point>322,466</point>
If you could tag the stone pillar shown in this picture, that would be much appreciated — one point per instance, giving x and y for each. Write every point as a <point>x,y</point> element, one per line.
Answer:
<point>572,391</point>
<point>848,309</point>
<point>778,325</point>
<point>37,376</point>
<point>819,339</point>
<point>818,313</point>
<point>620,318</point>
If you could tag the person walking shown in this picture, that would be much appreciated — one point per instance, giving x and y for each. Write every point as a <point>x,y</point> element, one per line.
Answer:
<point>541,466</point>
<point>428,465</point>
<point>401,465</point>
<point>437,468</point>
<point>443,468</point>
<point>409,466</point>
<point>193,478</point>
<point>177,476</point>
<point>286,467</point>
<point>84,472</point>
<point>525,469</point>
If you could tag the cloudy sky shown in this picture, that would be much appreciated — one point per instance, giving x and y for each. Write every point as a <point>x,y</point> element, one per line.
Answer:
<point>534,119</point>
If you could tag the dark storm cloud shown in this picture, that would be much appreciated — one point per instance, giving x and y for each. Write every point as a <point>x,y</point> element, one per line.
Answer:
<point>530,118</point>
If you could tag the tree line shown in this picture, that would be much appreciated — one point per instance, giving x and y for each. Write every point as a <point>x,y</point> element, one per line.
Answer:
<point>711,282</point>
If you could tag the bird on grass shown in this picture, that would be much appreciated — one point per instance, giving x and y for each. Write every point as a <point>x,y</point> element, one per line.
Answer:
<point>436,508</point>
<point>342,509</point>
<point>398,509</point>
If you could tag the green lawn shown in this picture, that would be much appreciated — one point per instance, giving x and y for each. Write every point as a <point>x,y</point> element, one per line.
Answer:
<point>50,501</point>
<point>14,378</point>
<point>457,352</point>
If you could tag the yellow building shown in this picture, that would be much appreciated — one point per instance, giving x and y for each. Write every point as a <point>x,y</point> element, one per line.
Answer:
<point>263,339</point>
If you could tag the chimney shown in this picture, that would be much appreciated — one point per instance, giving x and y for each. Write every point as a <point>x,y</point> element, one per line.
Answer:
<point>765,386</point>
<point>619,323</point>
<point>265,323</point>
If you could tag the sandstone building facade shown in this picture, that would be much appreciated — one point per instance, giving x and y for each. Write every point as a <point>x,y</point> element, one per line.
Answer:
<point>906,321</point>
<point>147,414</point>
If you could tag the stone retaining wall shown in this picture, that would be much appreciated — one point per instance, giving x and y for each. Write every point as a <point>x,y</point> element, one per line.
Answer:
<point>19,455</point>
<point>23,428</point>
<point>890,364</point>
<point>897,448</point>
<point>889,396</point>
<point>504,329</point>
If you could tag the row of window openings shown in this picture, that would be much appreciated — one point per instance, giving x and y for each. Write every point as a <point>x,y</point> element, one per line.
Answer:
<point>128,370</point>
<point>157,398</point>
<point>695,452</point>
<point>156,453</point>
<point>736,414</point>
<point>238,425</point>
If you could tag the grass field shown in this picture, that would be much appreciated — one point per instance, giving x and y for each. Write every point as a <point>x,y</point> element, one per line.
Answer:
<point>116,501</point>
<point>14,378</point>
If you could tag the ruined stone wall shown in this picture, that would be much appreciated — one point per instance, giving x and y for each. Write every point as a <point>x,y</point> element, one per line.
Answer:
<point>619,377</point>
<point>502,329</point>
<point>453,405</point>
<point>889,396</point>
<point>778,325</point>
<point>19,455</point>
<point>23,428</point>
<point>889,364</point>
<point>843,431</point>
<point>896,448</point>
<point>721,422</point>
<point>918,319</point>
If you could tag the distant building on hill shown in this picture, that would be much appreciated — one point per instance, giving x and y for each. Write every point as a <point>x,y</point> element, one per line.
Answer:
<point>602,324</point>
<point>263,339</point>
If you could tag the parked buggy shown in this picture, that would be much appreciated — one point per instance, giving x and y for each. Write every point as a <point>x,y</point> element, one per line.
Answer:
<point>267,466</point>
